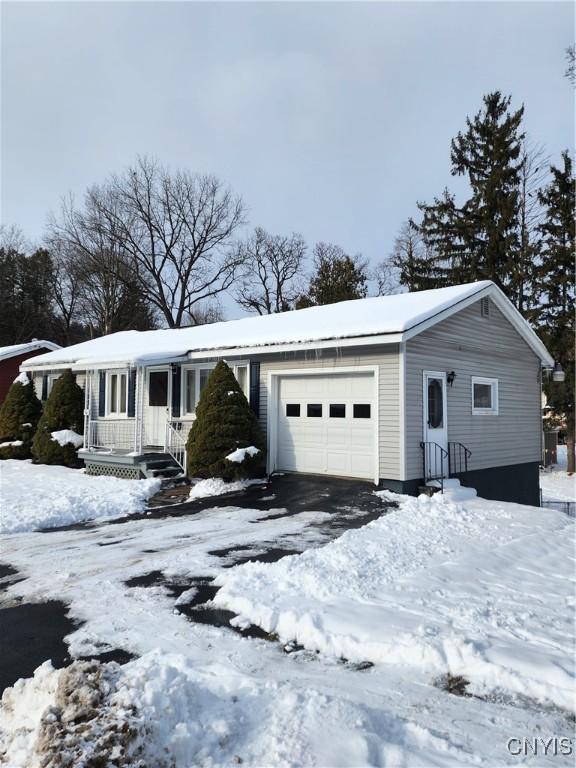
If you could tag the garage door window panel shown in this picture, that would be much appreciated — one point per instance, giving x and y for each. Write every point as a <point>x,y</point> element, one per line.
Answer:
<point>362,411</point>
<point>293,409</point>
<point>337,411</point>
<point>314,410</point>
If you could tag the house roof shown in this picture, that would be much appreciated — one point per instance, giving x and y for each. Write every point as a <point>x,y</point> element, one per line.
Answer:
<point>21,349</point>
<point>381,319</point>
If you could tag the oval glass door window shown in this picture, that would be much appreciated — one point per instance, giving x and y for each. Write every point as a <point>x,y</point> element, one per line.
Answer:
<point>435,404</point>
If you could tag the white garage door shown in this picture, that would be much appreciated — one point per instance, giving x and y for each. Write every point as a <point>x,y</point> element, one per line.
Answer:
<point>326,424</point>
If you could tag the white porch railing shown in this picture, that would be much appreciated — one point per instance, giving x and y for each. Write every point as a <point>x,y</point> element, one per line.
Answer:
<point>176,437</point>
<point>112,434</point>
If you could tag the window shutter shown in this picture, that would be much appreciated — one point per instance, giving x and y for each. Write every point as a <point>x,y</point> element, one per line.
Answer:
<point>132,393</point>
<point>44,388</point>
<point>255,387</point>
<point>176,379</point>
<point>102,393</point>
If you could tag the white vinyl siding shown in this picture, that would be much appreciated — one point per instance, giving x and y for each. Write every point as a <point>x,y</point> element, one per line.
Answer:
<point>387,360</point>
<point>484,348</point>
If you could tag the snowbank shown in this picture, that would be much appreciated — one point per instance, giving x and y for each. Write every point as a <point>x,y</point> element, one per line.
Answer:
<point>240,454</point>
<point>34,496</point>
<point>65,436</point>
<point>162,710</point>
<point>481,589</point>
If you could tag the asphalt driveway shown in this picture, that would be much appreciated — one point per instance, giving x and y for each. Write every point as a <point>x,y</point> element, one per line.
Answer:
<point>33,632</point>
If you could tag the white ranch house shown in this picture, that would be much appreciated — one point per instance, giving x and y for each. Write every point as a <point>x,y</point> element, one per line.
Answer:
<point>397,390</point>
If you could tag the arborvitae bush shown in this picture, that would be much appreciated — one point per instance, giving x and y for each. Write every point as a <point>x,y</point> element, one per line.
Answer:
<point>19,415</point>
<point>224,422</point>
<point>64,409</point>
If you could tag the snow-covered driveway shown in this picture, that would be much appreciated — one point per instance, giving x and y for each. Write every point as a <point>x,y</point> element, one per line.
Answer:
<point>205,695</point>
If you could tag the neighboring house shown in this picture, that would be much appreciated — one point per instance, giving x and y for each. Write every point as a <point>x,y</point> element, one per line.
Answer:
<point>12,357</point>
<point>394,389</point>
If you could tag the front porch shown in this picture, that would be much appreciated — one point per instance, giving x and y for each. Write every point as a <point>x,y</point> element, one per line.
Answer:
<point>129,465</point>
<point>123,434</point>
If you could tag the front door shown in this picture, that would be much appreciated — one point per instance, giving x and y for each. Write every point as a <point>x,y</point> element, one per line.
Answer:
<point>435,425</point>
<point>156,406</point>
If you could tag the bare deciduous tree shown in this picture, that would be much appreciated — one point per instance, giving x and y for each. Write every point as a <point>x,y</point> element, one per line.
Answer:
<point>404,266</point>
<point>177,229</point>
<point>92,265</point>
<point>271,281</point>
<point>570,72</point>
<point>386,276</point>
<point>206,313</point>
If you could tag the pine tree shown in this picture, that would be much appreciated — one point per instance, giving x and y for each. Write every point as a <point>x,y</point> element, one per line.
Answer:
<point>64,409</point>
<point>19,415</point>
<point>556,282</point>
<point>476,241</point>
<point>224,422</point>
<point>338,277</point>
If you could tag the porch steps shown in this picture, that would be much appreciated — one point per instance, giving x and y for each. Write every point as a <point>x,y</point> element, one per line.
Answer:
<point>453,489</point>
<point>165,468</point>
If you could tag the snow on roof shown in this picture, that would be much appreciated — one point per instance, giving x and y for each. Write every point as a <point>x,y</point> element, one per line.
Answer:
<point>374,316</point>
<point>21,349</point>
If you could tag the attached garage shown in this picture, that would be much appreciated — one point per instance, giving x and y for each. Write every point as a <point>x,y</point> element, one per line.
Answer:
<point>325,423</point>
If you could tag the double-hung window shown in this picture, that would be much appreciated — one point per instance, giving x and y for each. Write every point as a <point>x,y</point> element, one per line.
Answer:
<point>484,396</point>
<point>195,378</point>
<point>117,394</point>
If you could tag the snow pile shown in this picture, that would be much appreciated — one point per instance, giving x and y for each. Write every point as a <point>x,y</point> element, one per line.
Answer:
<point>162,710</point>
<point>215,486</point>
<point>34,496</point>
<point>66,717</point>
<point>483,589</point>
<point>22,378</point>
<point>65,436</point>
<point>21,712</point>
<point>240,454</point>
<point>12,444</point>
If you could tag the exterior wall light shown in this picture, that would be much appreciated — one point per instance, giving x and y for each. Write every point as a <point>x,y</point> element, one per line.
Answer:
<point>558,373</point>
<point>451,376</point>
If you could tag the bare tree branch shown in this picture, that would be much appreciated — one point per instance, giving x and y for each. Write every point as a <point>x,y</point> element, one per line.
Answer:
<point>272,277</point>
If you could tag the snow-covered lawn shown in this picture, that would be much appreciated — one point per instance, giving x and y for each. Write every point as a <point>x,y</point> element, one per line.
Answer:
<point>556,484</point>
<point>475,588</point>
<point>480,589</point>
<point>35,496</point>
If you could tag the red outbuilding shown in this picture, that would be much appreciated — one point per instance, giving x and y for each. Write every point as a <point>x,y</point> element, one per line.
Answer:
<point>13,356</point>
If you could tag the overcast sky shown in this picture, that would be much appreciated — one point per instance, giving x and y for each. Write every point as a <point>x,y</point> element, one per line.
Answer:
<point>330,119</point>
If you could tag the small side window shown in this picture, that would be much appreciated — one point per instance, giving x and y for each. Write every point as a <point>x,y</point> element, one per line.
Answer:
<point>337,411</point>
<point>314,410</point>
<point>292,409</point>
<point>484,396</point>
<point>361,410</point>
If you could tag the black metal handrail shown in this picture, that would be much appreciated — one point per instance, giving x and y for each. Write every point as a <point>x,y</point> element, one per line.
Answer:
<point>433,451</point>
<point>458,456</point>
